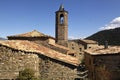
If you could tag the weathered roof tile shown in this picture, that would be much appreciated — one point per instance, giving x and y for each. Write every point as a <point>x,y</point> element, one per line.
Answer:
<point>28,46</point>
<point>100,50</point>
<point>33,33</point>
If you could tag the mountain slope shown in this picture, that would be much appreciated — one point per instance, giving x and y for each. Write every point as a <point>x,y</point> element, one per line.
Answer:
<point>111,35</point>
<point>2,38</point>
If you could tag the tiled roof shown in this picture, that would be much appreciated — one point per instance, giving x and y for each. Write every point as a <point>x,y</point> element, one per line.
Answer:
<point>28,46</point>
<point>100,50</point>
<point>89,41</point>
<point>33,33</point>
<point>59,46</point>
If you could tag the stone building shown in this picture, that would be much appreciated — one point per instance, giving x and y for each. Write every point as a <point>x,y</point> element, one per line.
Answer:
<point>103,63</point>
<point>52,58</point>
<point>61,28</point>
<point>60,42</point>
<point>41,39</point>
<point>16,55</point>
<point>88,43</point>
<point>78,46</point>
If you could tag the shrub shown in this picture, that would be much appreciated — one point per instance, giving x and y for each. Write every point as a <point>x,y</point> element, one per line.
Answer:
<point>27,74</point>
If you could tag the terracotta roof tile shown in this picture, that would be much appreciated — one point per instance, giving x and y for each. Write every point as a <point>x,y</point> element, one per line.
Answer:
<point>100,50</point>
<point>57,45</point>
<point>33,33</point>
<point>28,46</point>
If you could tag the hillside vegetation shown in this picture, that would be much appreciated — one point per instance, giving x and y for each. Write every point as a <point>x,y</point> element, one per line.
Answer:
<point>112,36</point>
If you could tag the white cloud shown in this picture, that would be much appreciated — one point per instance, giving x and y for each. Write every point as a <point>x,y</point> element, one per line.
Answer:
<point>115,23</point>
<point>73,37</point>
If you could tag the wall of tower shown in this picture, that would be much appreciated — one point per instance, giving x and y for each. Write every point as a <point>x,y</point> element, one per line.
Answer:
<point>61,26</point>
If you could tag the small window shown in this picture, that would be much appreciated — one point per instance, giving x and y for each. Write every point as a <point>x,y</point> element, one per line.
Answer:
<point>80,49</point>
<point>72,47</point>
<point>72,44</point>
<point>80,53</point>
<point>71,54</point>
<point>89,47</point>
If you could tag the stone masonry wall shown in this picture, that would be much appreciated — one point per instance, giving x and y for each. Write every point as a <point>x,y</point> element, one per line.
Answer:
<point>13,61</point>
<point>106,65</point>
<point>109,66</point>
<point>51,69</point>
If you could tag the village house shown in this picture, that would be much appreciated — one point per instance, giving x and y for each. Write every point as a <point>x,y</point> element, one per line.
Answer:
<point>88,43</point>
<point>48,64</point>
<point>103,63</point>
<point>58,58</point>
<point>51,58</point>
<point>60,43</point>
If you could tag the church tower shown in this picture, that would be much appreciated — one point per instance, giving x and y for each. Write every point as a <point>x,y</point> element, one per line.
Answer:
<point>61,25</point>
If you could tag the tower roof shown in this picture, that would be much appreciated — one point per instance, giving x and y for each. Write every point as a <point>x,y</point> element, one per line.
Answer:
<point>61,7</point>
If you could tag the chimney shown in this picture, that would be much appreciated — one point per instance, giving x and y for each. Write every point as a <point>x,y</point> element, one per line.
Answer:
<point>106,45</point>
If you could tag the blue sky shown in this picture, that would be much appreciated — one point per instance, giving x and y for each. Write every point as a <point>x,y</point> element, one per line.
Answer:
<point>85,16</point>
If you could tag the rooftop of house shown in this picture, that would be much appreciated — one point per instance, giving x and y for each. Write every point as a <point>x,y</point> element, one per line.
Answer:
<point>28,46</point>
<point>88,41</point>
<point>60,46</point>
<point>33,33</point>
<point>101,50</point>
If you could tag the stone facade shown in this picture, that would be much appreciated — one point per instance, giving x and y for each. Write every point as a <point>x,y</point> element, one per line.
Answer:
<point>12,61</point>
<point>103,66</point>
<point>88,44</point>
<point>51,69</point>
<point>55,58</point>
<point>76,49</point>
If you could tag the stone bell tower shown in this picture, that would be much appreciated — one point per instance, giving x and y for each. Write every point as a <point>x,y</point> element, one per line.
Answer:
<point>61,26</point>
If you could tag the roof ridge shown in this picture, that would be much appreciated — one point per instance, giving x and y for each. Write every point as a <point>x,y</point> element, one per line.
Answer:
<point>29,34</point>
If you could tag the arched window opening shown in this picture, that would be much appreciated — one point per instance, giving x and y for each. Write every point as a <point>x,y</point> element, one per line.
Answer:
<point>61,19</point>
